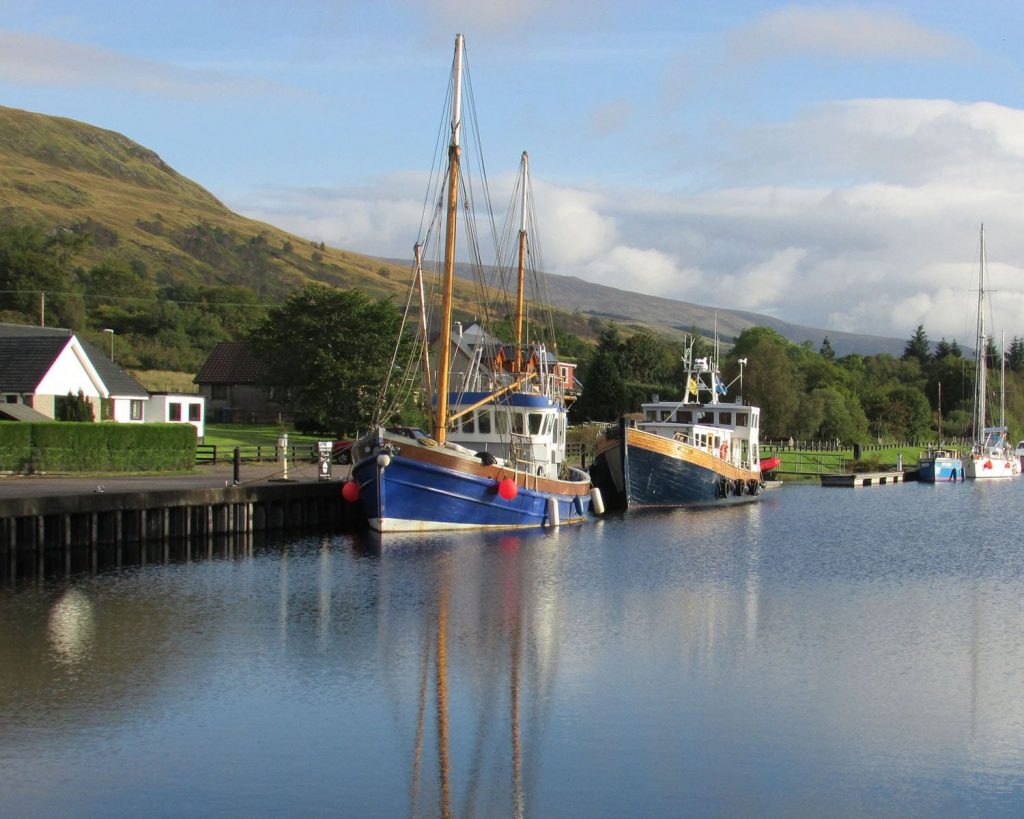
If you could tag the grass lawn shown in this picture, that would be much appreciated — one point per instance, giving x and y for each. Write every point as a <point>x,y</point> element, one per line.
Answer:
<point>230,435</point>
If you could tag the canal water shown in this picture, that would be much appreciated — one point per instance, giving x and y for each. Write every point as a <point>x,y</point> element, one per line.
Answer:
<point>825,652</point>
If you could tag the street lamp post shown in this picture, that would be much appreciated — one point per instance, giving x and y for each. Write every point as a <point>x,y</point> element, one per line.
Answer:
<point>741,362</point>
<point>109,330</point>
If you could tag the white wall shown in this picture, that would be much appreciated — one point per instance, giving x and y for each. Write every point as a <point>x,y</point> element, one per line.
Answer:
<point>158,410</point>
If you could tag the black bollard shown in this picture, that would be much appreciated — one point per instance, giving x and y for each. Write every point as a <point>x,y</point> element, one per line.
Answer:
<point>238,464</point>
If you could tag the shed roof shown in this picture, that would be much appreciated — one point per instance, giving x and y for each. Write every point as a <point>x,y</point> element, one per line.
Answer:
<point>230,362</point>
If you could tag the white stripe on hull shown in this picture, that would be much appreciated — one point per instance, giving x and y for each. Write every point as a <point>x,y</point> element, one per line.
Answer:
<point>402,525</point>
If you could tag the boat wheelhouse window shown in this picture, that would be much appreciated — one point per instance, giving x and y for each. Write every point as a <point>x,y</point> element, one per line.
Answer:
<point>725,418</point>
<point>741,419</point>
<point>468,423</point>
<point>666,415</point>
<point>501,422</point>
<point>685,417</point>
<point>483,422</point>
<point>517,423</point>
<point>535,419</point>
<point>650,415</point>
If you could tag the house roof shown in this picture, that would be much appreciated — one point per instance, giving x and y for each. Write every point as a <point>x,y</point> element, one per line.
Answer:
<point>24,361</point>
<point>27,352</point>
<point>230,362</point>
<point>19,412</point>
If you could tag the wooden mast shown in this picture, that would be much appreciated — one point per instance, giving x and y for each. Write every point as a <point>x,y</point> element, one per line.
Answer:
<point>454,153</point>
<point>522,264</point>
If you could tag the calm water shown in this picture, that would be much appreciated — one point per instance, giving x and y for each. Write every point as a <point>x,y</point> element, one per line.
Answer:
<point>827,652</point>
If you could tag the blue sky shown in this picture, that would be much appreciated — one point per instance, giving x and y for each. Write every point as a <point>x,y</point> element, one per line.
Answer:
<point>829,163</point>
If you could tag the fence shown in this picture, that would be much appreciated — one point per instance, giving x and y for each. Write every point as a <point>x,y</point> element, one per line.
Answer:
<point>211,453</point>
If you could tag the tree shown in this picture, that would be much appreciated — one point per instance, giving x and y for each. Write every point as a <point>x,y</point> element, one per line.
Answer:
<point>770,379</point>
<point>1015,355</point>
<point>604,392</point>
<point>918,346</point>
<point>331,351</point>
<point>33,262</point>
<point>644,359</point>
<point>73,408</point>
<point>826,350</point>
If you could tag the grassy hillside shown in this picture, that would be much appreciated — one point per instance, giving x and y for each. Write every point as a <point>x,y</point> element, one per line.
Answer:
<point>58,173</point>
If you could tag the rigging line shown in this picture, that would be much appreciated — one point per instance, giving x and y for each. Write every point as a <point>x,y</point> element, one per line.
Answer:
<point>479,155</point>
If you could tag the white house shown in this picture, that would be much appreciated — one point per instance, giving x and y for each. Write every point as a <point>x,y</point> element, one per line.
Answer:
<point>175,408</point>
<point>40,366</point>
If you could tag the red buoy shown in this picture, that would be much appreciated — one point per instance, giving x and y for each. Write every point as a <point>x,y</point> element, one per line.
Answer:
<point>507,488</point>
<point>350,491</point>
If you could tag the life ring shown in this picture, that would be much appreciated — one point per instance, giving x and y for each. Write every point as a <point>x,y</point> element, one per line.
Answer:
<point>723,451</point>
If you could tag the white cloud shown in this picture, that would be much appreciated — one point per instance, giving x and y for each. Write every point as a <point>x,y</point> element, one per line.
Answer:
<point>34,60</point>
<point>849,31</point>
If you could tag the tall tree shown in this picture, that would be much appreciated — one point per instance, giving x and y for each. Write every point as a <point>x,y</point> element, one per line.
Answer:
<point>918,346</point>
<point>330,350</point>
<point>604,396</point>
<point>826,350</point>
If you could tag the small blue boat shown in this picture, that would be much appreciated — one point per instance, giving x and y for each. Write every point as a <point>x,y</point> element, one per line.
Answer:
<point>940,465</point>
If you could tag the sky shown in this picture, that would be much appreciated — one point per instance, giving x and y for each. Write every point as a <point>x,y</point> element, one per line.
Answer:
<point>829,164</point>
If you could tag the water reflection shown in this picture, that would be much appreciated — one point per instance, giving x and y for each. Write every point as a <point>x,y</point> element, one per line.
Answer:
<point>71,627</point>
<point>768,659</point>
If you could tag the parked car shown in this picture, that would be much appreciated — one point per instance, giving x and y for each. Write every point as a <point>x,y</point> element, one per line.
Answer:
<point>342,452</point>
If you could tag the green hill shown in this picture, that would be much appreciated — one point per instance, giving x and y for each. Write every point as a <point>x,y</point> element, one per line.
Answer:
<point>58,173</point>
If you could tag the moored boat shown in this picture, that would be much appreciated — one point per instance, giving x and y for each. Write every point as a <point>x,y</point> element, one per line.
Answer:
<point>939,465</point>
<point>698,451</point>
<point>495,456</point>
<point>991,456</point>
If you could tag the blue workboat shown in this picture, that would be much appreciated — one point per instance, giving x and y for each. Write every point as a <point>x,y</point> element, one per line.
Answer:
<point>495,454</point>
<point>940,465</point>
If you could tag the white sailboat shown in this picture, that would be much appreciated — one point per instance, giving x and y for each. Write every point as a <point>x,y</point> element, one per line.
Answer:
<point>991,455</point>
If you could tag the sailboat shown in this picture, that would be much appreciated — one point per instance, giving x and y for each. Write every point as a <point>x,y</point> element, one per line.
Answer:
<point>991,455</point>
<point>495,456</point>
<point>698,451</point>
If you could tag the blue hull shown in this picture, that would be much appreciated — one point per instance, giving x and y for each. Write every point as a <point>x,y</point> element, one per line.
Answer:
<point>640,477</point>
<point>937,470</point>
<point>410,495</point>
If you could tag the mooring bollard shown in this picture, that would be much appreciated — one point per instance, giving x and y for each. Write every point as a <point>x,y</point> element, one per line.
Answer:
<point>238,464</point>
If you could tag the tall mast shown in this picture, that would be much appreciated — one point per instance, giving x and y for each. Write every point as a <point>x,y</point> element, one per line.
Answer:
<point>454,154</point>
<point>418,251</point>
<point>523,175</point>
<point>981,363</point>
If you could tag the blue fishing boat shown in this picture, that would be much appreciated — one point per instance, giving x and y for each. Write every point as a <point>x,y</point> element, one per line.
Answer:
<point>495,454</point>
<point>938,465</point>
<point>701,450</point>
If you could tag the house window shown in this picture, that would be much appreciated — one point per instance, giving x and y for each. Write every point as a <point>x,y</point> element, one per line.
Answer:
<point>174,412</point>
<point>219,392</point>
<point>135,412</point>
<point>10,399</point>
<point>195,412</point>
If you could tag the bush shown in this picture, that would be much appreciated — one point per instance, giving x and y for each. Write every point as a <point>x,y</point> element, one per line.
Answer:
<point>83,447</point>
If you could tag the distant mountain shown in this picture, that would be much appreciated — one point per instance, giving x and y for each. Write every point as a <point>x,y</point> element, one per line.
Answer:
<point>58,173</point>
<point>675,317</point>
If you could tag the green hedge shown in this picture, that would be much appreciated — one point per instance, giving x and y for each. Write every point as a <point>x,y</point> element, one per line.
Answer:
<point>88,447</point>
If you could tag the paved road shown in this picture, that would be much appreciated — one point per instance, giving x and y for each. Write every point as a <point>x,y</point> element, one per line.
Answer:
<point>202,477</point>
